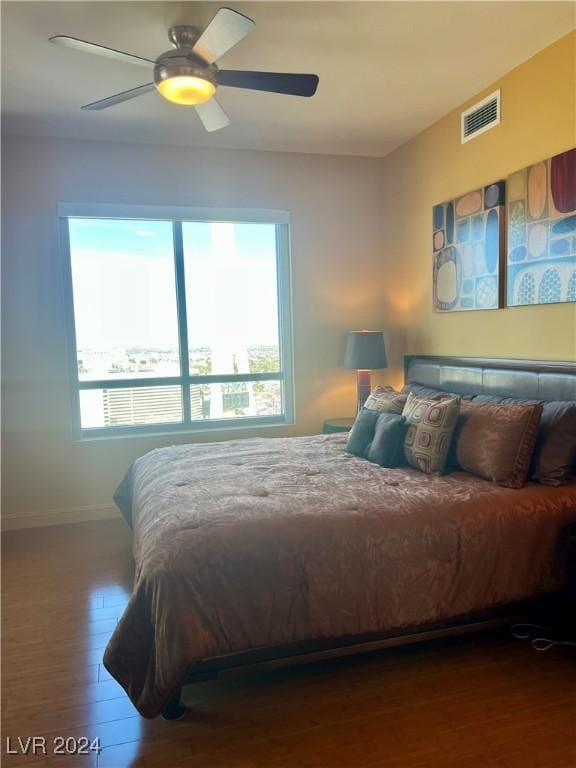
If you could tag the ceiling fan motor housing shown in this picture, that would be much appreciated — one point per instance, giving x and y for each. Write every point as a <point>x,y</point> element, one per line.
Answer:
<point>182,63</point>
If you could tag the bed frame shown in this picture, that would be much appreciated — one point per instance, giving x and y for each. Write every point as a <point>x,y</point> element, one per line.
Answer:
<point>531,379</point>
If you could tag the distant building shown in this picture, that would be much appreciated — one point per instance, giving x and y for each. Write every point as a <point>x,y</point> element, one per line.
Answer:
<point>196,402</point>
<point>149,405</point>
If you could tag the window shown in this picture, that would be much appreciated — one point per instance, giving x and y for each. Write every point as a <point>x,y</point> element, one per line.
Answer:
<point>180,320</point>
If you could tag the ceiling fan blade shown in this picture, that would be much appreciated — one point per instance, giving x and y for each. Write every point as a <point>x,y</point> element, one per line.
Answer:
<point>212,115</point>
<point>274,82</point>
<point>99,50</point>
<point>226,29</point>
<point>118,98</point>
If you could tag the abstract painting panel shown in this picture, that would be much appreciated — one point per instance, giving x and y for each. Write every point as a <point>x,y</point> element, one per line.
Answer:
<point>541,204</point>
<point>467,241</point>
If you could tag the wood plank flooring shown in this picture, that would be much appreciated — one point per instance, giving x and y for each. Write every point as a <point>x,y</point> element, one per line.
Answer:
<point>478,702</point>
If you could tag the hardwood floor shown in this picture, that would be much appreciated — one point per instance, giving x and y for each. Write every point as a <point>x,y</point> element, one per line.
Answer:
<point>476,702</point>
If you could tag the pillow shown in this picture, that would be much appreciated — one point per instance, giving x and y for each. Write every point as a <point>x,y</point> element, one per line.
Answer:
<point>496,441</point>
<point>502,400</point>
<point>430,427</point>
<point>379,437</point>
<point>431,392</point>
<point>556,444</point>
<point>555,450</point>
<point>385,400</point>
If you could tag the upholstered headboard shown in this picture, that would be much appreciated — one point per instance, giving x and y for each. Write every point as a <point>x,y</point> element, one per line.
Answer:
<point>530,379</point>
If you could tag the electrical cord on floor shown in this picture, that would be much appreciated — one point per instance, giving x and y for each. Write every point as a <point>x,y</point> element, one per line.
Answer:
<point>538,635</point>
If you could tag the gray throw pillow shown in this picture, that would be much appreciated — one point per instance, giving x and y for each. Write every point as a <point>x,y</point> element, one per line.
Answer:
<point>556,446</point>
<point>378,437</point>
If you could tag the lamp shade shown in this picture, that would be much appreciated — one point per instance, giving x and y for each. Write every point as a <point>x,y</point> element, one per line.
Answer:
<point>365,350</point>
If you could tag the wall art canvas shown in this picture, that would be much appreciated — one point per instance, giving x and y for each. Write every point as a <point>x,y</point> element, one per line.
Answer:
<point>541,206</point>
<point>468,243</point>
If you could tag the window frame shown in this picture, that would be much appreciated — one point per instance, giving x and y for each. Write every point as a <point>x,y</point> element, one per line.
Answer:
<point>178,215</point>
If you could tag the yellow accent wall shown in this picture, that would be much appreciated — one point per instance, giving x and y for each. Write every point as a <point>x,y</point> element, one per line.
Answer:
<point>538,120</point>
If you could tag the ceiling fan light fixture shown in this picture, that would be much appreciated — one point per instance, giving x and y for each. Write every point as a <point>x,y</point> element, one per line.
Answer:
<point>186,89</point>
<point>183,83</point>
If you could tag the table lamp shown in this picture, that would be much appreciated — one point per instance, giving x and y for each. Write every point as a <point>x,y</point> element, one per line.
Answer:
<point>365,352</point>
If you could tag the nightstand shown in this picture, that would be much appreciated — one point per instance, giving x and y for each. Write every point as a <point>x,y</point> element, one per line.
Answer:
<point>337,425</point>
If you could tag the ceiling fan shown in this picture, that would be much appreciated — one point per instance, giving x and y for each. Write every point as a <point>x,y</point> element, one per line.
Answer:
<point>188,74</point>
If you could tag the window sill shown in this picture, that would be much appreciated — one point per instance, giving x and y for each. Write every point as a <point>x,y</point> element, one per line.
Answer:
<point>168,430</point>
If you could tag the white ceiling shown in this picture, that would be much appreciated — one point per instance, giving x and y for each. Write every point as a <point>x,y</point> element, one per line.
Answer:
<point>387,69</point>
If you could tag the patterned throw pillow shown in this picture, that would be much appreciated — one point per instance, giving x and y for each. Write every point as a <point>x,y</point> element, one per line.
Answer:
<point>385,400</point>
<point>430,427</point>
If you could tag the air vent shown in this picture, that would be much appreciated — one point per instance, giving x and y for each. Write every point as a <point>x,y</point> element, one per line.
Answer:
<point>480,117</point>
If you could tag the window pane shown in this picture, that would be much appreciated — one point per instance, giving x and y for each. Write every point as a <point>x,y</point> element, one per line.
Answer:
<point>124,298</point>
<point>232,401</point>
<point>231,297</point>
<point>128,406</point>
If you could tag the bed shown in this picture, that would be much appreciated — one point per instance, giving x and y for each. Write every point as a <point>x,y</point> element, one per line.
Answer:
<point>262,552</point>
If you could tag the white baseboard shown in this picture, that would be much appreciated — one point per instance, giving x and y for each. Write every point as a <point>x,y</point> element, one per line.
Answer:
<point>59,517</point>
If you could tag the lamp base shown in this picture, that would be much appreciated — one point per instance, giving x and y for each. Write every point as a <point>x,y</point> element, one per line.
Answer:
<point>362,388</point>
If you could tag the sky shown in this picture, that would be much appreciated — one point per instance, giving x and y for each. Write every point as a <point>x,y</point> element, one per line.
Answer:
<point>124,284</point>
